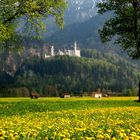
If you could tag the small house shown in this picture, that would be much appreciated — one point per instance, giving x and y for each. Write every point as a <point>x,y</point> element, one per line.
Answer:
<point>98,95</point>
<point>34,95</point>
<point>65,95</point>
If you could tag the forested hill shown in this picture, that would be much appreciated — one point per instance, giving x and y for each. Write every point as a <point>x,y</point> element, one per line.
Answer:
<point>60,74</point>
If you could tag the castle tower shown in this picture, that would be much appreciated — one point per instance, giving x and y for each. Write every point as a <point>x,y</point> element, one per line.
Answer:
<point>75,46</point>
<point>76,51</point>
<point>52,51</point>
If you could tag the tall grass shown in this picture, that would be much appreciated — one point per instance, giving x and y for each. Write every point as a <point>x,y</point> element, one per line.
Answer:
<point>21,106</point>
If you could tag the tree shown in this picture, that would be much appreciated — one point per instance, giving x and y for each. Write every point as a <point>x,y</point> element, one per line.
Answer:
<point>124,26</point>
<point>28,13</point>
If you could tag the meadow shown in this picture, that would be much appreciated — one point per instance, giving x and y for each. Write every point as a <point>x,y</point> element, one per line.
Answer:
<point>113,118</point>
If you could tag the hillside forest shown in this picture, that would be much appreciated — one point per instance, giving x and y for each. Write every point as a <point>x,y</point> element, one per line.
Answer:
<point>63,74</point>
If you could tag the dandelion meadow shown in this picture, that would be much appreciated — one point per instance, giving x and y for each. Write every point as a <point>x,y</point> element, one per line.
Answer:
<point>69,119</point>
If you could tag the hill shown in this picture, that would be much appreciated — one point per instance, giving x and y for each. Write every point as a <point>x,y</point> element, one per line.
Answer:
<point>60,74</point>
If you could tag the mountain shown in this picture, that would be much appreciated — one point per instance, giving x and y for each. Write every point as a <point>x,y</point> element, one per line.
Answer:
<point>81,24</point>
<point>80,32</point>
<point>85,33</point>
<point>77,11</point>
<point>87,36</point>
<point>80,10</point>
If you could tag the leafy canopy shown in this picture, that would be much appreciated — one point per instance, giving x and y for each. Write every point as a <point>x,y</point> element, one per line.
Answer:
<point>31,15</point>
<point>124,26</point>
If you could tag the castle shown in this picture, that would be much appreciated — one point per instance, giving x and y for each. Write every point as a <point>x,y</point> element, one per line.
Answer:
<point>74,52</point>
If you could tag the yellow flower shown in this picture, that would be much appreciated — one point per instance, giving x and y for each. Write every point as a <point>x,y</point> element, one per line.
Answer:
<point>109,130</point>
<point>106,136</point>
<point>100,136</point>
<point>113,138</point>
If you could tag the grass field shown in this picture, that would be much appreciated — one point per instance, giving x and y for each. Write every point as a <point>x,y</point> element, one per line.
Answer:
<point>113,118</point>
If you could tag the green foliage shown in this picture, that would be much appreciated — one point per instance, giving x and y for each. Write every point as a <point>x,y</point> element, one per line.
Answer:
<point>124,27</point>
<point>7,91</point>
<point>5,78</point>
<point>130,92</point>
<point>5,32</point>
<point>29,15</point>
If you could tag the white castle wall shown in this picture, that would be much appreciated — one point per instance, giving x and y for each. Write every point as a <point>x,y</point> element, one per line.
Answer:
<point>74,52</point>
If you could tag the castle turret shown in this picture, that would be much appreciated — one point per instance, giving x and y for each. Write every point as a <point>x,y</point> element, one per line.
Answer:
<point>76,51</point>
<point>75,46</point>
<point>52,51</point>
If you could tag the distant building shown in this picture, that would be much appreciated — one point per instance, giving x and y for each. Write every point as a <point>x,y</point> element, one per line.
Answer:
<point>34,95</point>
<point>65,95</point>
<point>74,52</point>
<point>45,53</point>
<point>61,53</point>
<point>52,53</point>
<point>98,95</point>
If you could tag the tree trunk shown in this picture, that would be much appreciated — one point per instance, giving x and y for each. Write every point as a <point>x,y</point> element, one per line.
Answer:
<point>139,91</point>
